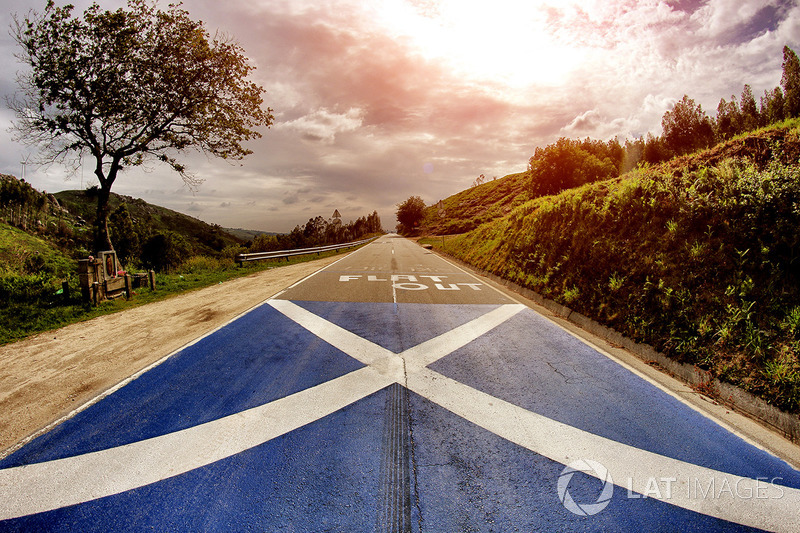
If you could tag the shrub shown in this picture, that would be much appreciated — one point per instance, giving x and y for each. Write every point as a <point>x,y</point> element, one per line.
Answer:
<point>203,263</point>
<point>165,251</point>
<point>26,287</point>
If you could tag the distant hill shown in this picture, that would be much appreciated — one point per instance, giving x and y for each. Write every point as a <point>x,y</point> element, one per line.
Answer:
<point>468,209</point>
<point>204,238</point>
<point>248,234</point>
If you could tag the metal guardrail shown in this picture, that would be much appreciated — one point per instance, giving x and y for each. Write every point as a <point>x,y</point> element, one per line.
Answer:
<point>277,254</point>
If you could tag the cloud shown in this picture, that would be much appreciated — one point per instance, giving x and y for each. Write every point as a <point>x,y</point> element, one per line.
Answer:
<point>588,121</point>
<point>376,102</point>
<point>323,125</point>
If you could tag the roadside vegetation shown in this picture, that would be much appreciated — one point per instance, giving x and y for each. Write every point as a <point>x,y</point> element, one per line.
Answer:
<point>699,257</point>
<point>42,236</point>
<point>689,242</point>
<point>33,303</point>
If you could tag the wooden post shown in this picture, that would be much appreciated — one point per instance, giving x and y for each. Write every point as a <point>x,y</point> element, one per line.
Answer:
<point>65,289</point>
<point>151,275</point>
<point>128,287</point>
<point>86,277</point>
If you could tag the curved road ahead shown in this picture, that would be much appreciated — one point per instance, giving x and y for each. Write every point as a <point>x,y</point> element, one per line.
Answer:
<point>392,391</point>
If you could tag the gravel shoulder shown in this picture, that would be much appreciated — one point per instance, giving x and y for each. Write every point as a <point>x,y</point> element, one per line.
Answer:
<point>45,377</point>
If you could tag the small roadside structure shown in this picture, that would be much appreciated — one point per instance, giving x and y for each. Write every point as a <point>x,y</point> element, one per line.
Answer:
<point>102,278</point>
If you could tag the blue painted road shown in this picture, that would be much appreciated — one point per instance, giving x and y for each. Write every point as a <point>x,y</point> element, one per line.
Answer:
<point>393,392</point>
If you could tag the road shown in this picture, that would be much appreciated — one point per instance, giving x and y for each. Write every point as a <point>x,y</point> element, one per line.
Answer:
<point>393,391</point>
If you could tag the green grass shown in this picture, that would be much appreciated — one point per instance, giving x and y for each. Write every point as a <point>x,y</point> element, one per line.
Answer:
<point>42,309</point>
<point>472,207</point>
<point>22,252</point>
<point>700,261</point>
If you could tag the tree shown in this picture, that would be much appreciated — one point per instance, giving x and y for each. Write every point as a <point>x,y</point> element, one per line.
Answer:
<point>655,150</point>
<point>126,234</point>
<point>165,250</point>
<point>790,81</point>
<point>314,231</point>
<point>264,243</point>
<point>410,213</point>
<point>687,127</point>
<point>374,223</point>
<point>772,105</point>
<point>728,119</point>
<point>750,117</point>
<point>569,163</point>
<point>130,86</point>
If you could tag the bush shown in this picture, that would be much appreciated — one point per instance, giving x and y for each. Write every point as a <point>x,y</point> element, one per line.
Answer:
<point>166,251</point>
<point>26,287</point>
<point>202,263</point>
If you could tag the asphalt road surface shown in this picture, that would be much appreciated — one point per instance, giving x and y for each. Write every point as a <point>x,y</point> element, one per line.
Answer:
<point>393,391</point>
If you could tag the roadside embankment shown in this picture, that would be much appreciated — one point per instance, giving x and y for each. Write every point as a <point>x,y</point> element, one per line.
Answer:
<point>701,261</point>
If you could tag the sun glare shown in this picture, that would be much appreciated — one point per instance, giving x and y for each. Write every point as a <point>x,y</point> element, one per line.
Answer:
<point>505,41</point>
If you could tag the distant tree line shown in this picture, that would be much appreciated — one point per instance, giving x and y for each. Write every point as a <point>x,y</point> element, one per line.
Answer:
<point>686,128</point>
<point>319,232</point>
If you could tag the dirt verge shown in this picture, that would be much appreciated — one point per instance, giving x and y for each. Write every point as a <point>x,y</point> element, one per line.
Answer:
<point>45,377</point>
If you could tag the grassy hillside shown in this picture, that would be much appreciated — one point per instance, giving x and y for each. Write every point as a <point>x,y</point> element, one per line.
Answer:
<point>699,257</point>
<point>41,236</point>
<point>247,234</point>
<point>204,238</point>
<point>469,209</point>
<point>31,272</point>
<point>23,252</point>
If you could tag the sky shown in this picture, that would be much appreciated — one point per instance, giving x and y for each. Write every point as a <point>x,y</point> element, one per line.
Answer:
<point>379,100</point>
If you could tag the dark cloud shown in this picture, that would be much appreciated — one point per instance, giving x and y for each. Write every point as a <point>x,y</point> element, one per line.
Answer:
<point>766,19</point>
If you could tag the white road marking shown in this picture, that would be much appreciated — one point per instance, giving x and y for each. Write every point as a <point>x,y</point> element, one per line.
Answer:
<point>50,485</point>
<point>430,351</point>
<point>360,349</point>
<point>622,363</point>
<point>756,503</point>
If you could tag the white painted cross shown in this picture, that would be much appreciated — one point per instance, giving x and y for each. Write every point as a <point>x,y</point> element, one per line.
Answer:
<point>50,485</point>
